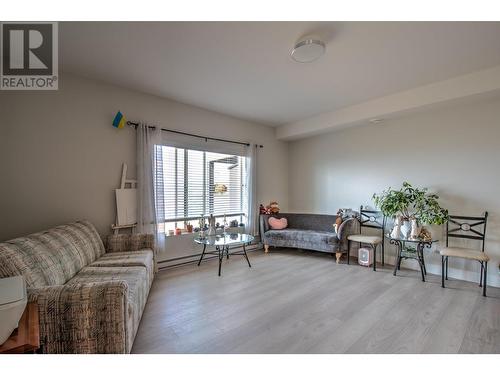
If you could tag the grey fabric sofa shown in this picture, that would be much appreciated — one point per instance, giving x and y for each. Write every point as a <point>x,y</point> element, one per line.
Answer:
<point>90,297</point>
<point>308,231</point>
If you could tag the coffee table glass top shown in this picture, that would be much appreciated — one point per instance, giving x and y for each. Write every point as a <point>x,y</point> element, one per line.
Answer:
<point>225,239</point>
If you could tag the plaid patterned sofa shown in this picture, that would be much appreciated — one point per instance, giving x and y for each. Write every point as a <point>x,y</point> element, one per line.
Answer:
<point>90,297</point>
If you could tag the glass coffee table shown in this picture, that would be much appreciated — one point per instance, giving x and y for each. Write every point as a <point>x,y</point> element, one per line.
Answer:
<point>223,243</point>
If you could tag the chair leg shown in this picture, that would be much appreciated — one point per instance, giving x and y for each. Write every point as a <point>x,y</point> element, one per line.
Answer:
<point>374,247</point>
<point>348,250</point>
<point>481,276</point>
<point>485,278</point>
<point>383,251</point>
<point>446,268</point>
<point>442,271</point>
<point>221,255</point>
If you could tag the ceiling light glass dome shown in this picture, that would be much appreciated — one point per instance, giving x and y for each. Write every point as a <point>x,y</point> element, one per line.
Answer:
<point>308,50</point>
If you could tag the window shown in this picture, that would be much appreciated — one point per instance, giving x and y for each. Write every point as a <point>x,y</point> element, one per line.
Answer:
<point>192,183</point>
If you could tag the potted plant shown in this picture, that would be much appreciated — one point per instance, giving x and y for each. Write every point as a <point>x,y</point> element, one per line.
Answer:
<point>410,204</point>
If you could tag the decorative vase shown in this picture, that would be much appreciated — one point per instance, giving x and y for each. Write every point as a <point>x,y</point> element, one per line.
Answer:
<point>405,229</point>
<point>415,230</point>
<point>396,230</point>
<point>202,235</point>
<point>211,226</point>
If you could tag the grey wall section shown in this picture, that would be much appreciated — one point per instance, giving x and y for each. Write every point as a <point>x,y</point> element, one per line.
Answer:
<point>60,158</point>
<point>454,151</point>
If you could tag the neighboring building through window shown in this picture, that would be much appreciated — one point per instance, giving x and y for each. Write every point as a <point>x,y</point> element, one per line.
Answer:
<point>192,183</point>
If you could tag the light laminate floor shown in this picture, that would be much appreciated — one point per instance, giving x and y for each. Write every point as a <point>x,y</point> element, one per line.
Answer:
<point>302,302</point>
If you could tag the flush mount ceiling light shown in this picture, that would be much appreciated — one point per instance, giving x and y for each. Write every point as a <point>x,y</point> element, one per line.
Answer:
<point>308,50</point>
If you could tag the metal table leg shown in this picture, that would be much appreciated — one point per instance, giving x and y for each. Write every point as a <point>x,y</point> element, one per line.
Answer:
<point>221,255</point>
<point>420,259</point>
<point>419,256</point>
<point>246,256</point>
<point>202,254</point>
<point>398,255</point>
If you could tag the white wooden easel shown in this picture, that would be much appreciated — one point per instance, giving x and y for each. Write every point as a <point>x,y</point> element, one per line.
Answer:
<point>125,203</point>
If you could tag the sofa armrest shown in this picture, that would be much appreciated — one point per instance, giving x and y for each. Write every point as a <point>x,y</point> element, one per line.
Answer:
<point>83,318</point>
<point>263,226</point>
<point>348,227</point>
<point>132,242</point>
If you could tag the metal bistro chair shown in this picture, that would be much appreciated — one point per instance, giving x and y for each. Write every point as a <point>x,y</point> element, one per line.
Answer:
<point>369,219</point>
<point>466,227</point>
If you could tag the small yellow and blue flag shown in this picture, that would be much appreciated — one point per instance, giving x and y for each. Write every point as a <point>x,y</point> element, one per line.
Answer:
<point>119,121</point>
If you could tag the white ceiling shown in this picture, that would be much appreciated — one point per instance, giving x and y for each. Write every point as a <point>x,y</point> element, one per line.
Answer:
<point>244,69</point>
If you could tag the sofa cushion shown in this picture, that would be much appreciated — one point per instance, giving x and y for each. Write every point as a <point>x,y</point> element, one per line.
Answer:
<point>51,257</point>
<point>302,238</point>
<point>85,237</point>
<point>138,289</point>
<point>33,260</point>
<point>142,258</point>
<point>304,235</point>
<point>465,253</point>
<point>278,224</point>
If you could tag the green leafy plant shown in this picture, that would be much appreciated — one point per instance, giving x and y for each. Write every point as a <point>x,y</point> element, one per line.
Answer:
<point>411,203</point>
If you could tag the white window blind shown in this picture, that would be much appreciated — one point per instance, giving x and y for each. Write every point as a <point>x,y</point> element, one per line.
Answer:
<point>192,183</point>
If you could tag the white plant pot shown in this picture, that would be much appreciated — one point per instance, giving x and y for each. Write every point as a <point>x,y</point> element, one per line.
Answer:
<point>13,300</point>
<point>396,230</point>
<point>415,230</point>
<point>405,229</point>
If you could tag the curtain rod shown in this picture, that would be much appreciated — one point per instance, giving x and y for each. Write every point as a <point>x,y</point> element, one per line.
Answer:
<point>135,125</point>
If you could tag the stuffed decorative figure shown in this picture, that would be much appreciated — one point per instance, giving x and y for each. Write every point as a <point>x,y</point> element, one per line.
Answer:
<point>425,234</point>
<point>338,220</point>
<point>273,208</point>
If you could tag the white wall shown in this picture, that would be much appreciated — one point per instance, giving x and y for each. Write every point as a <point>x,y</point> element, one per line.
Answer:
<point>454,151</point>
<point>60,158</point>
